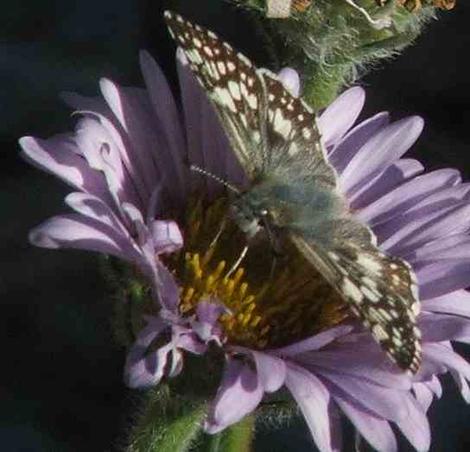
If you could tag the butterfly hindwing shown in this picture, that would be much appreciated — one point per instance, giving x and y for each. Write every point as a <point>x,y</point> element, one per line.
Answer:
<point>379,289</point>
<point>294,141</point>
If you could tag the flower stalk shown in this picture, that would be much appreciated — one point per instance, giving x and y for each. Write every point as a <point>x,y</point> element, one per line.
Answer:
<point>171,419</point>
<point>237,438</point>
<point>168,422</point>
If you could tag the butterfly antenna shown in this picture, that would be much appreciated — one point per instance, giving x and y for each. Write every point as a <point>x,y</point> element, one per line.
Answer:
<point>199,170</point>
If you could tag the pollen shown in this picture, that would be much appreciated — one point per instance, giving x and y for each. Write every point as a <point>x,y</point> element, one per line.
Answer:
<point>271,299</point>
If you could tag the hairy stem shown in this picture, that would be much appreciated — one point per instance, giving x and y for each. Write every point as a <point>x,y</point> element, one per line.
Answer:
<point>167,423</point>
<point>237,438</point>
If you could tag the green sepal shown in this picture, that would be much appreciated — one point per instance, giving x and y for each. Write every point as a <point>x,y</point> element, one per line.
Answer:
<point>132,299</point>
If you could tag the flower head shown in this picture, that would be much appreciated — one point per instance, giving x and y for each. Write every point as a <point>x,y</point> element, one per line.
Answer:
<point>277,326</point>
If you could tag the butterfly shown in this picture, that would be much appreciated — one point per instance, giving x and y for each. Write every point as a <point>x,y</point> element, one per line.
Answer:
<point>293,190</point>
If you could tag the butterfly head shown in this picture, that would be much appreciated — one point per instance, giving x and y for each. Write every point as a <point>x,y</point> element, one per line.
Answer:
<point>249,213</point>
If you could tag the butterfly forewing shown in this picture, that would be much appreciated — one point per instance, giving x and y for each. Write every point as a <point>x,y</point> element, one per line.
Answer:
<point>233,85</point>
<point>268,127</point>
<point>274,136</point>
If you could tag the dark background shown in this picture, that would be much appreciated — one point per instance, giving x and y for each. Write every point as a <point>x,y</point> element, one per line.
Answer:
<point>60,384</point>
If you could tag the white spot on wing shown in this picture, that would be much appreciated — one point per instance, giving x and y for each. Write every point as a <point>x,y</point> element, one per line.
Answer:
<point>234,90</point>
<point>369,263</point>
<point>208,51</point>
<point>244,59</point>
<point>307,133</point>
<point>351,291</point>
<point>379,333</point>
<point>223,97</point>
<point>374,297</point>
<point>281,125</point>
<point>221,67</point>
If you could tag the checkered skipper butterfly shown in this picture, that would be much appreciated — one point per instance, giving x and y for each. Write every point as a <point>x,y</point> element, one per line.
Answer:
<point>293,190</point>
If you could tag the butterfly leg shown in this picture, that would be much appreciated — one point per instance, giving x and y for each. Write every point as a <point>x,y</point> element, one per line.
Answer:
<point>273,239</point>
<point>273,266</point>
<point>222,227</point>
<point>237,262</point>
<point>275,247</point>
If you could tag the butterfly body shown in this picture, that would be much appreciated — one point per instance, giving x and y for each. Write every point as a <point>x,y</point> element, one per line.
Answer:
<point>293,192</point>
<point>283,206</point>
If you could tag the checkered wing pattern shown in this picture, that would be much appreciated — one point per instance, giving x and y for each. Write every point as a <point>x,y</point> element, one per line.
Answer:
<point>267,126</point>
<point>274,134</point>
<point>380,290</point>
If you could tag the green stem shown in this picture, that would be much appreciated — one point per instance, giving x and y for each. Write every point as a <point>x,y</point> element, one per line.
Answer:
<point>237,438</point>
<point>168,423</point>
<point>321,89</point>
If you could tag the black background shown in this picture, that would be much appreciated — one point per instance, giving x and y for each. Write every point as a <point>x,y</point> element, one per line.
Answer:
<point>60,380</point>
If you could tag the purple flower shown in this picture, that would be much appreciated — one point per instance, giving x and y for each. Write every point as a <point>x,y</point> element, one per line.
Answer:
<point>128,160</point>
<point>121,180</point>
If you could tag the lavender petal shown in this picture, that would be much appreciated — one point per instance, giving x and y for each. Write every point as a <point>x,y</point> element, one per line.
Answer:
<point>377,432</point>
<point>386,146</point>
<point>340,115</point>
<point>239,394</point>
<point>457,303</point>
<point>271,371</point>
<point>313,400</point>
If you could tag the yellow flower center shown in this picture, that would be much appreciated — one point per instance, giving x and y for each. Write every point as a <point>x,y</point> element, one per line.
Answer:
<point>271,300</point>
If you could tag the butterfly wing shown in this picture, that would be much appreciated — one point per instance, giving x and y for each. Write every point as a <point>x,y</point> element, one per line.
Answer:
<point>267,126</point>
<point>379,289</point>
<point>294,141</point>
<point>231,82</point>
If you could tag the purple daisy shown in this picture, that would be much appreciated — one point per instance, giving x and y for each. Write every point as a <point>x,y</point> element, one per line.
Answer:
<point>136,200</point>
